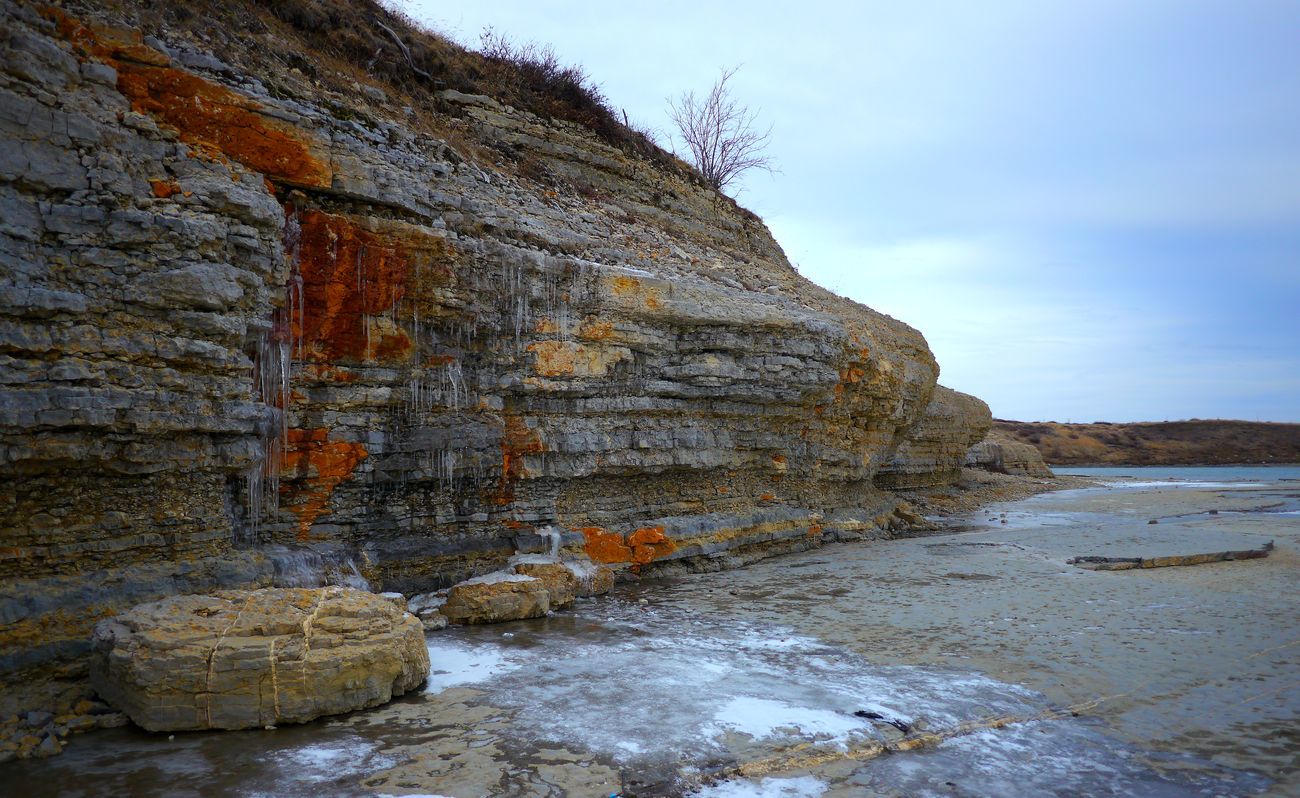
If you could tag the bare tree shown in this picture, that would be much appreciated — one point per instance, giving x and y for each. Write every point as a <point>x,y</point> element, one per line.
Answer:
<point>720,133</point>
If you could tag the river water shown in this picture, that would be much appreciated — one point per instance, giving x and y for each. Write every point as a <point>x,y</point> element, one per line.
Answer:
<point>1176,681</point>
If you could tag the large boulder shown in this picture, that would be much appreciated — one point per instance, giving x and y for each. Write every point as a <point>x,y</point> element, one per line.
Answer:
<point>496,597</point>
<point>561,583</point>
<point>247,658</point>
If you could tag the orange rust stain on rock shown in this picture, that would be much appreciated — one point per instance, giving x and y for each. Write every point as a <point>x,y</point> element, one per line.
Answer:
<point>329,373</point>
<point>518,440</point>
<point>206,115</point>
<point>162,189</point>
<point>605,546</point>
<point>767,497</point>
<point>649,543</point>
<point>312,467</point>
<point>348,274</point>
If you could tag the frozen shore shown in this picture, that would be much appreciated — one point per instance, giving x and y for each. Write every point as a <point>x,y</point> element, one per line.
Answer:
<point>1175,681</point>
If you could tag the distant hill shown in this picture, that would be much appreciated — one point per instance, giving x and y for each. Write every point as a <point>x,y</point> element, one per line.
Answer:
<point>1196,442</point>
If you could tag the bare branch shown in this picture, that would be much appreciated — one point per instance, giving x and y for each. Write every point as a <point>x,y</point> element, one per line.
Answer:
<point>720,134</point>
<point>405,51</point>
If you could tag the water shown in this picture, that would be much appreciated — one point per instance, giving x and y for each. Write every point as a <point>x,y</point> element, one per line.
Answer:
<point>1190,474</point>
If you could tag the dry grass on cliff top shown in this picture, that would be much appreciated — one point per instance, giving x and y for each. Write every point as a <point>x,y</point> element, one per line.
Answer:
<point>1195,442</point>
<point>389,47</point>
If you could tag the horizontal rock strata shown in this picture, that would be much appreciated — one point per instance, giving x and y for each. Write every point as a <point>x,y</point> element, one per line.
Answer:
<point>247,659</point>
<point>936,449</point>
<point>1005,456</point>
<point>246,305</point>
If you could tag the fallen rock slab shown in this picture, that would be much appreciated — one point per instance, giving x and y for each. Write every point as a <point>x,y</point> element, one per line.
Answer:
<point>561,584</point>
<point>496,597</point>
<point>248,658</point>
<point>1130,563</point>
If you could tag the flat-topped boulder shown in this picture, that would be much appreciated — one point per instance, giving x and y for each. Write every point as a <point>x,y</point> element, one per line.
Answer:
<point>249,658</point>
<point>496,597</point>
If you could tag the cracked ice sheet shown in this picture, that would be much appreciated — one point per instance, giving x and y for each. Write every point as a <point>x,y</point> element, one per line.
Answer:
<point>669,694</point>
<point>640,686</point>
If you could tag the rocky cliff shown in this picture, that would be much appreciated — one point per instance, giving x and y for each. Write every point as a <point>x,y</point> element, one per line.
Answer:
<point>1004,455</point>
<point>935,449</point>
<point>257,294</point>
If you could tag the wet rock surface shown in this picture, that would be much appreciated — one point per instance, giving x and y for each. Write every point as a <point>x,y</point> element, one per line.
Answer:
<point>250,659</point>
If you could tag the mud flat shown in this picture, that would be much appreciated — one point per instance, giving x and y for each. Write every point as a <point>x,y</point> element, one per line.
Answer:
<point>775,679</point>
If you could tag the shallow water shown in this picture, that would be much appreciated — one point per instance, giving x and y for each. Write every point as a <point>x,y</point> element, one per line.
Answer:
<point>1182,678</point>
<point>1191,474</point>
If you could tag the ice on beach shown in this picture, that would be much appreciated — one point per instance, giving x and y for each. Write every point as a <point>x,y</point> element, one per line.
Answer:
<point>800,787</point>
<point>670,681</point>
<point>453,663</point>
<point>327,761</point>
<point>763,717</point>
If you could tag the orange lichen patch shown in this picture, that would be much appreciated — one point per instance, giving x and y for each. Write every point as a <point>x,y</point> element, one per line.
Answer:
<point>767,497</point>
<point>554,358</point>
<point>311,467</point>
<point>348,274</point>
<point>571,359</point>
<point>596,330</point>
<point>626,286</point>
<point>631,288</point>
<point>604,546</point>
<point>518,440</point>
<point>162,189</point>
<point>546,326</point>
<point>649,543</point>
<point>206,115</point>
<point>814,529</point>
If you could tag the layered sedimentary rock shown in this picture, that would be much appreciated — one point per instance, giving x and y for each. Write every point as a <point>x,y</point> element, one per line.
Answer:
<point>935,450</point>
<point>244,305</point>
<point>1005,456</point>
<point>248,659</point>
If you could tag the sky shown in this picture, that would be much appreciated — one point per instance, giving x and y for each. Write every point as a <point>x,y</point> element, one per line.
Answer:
<point>1091,209</point>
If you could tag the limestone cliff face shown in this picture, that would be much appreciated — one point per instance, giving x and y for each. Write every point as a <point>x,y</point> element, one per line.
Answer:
<point>242,306</point>
<point>935,449</point>
<point>1003,455</point>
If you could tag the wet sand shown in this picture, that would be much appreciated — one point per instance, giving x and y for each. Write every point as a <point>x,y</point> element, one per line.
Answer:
<point>1186,681</point>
